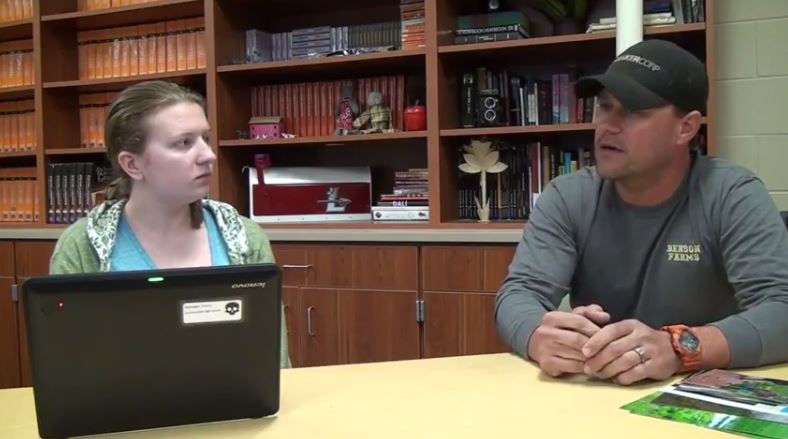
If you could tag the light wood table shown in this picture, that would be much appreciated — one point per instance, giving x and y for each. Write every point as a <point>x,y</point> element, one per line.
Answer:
<point>487,396</point>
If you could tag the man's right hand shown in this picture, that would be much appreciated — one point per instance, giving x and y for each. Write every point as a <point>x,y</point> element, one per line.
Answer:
<point>556,343</point>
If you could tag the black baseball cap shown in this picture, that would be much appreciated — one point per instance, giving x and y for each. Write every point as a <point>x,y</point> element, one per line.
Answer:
<point>651,74</point>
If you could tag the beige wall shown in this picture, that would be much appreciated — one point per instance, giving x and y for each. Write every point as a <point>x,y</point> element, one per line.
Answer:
<point>752,89</point>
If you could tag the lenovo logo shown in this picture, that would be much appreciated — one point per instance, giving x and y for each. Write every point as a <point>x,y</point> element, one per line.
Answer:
<point>249,285</point>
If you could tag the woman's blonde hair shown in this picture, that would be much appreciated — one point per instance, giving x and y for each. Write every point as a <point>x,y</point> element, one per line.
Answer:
<point>127,129</point>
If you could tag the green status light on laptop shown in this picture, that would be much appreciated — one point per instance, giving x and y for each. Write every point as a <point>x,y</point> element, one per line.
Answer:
<point>155,279</point>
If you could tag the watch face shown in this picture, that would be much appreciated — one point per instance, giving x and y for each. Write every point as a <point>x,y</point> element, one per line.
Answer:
<point>689,342</point>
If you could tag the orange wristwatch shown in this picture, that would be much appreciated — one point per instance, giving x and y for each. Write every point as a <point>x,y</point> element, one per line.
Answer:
<point>686,345</point>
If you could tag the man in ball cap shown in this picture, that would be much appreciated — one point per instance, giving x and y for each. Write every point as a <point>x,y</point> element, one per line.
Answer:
<point>673,261</point>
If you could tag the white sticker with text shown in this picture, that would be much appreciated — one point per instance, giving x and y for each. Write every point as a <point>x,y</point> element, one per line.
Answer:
<point>212,312</point>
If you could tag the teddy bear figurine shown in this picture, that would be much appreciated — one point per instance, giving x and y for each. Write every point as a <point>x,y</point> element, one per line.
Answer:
<point>377,117</point>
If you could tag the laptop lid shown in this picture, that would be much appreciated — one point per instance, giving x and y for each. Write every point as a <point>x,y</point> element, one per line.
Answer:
<point>137,350</point>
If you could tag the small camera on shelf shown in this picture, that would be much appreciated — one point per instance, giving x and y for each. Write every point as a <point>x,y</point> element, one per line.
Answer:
<point>490,109</point>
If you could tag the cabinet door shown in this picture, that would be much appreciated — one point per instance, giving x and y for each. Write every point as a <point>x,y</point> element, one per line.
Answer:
<point>496,266</point>
<point>329,266</point>
<point>9,337</point>
<point>465,268</point>
<point>385,267</point>
<point>32,259</point>
<point>290,299</point>
<point>378,326</point>
<point>452,268</point>
<point>460,324</point>
<point>292,259</point>
<point>319,334</point>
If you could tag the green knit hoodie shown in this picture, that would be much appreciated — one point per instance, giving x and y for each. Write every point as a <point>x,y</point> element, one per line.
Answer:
<point>86,246</point>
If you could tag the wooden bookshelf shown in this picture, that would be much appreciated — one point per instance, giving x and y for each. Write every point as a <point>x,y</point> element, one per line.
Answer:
<point>16,30</point>
<point>187,77</point>
<point>330,66</point>
<point>74,151</point>
<point>511,130</point>
<point>56,12</point>
<point>569,39</point>
<point>432,75</point>
<point>20,92</point>
<point>371,139</point>
<point>16,154</point>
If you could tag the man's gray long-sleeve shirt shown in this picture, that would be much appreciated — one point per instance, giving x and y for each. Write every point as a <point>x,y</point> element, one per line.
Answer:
<point>715,253</point>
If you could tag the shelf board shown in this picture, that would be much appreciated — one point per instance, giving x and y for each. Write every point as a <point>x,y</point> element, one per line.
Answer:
<point>16,30</point>
<point>328,140</point>
<point>672,29</point>
<point>566,39</point>
<point>74,151</point>
<point>493,224</point>
<point>18,92</point>
<point>104,84</point>
<point>369,63</point>
<point>17,154</point>
<point>127,15</point>
<point>350,225</point>
<point>20,225</point>
<point>508,130</point>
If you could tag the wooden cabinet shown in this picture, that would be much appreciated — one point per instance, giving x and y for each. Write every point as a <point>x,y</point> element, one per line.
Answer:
<point>350,303</point>
<point>343,303</point>
<point>362,303</point>
<point>378,325</point>
<point>31,259</point>
<point>9,337</point>
<point>19,261</point>
<point>319,341</point>
<point>459,285</point>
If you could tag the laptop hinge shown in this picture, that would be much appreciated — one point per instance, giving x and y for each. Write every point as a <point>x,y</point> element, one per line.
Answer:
<point>14,293</point>
<point>420,310</point>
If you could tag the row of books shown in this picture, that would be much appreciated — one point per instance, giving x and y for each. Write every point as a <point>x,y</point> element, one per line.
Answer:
<point>16,63</point>
<point>17,126</point>
<point>493,26</point>
<point>519,100</point>
<point>408,200</point>
<point>91,5</point>
<point>73,189</point>
<point>18,195</point>
<point>15,10</point>
<point>659,13</point>
<point>319,41</point>
<point>649,20</point>
<point>412,19</point>
<point>308,109</point>
<point>93,110</point>
<point>512,193</point>
<point>167,46</point>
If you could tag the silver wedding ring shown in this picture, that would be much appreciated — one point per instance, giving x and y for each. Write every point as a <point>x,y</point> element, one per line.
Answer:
<point>639,350</point>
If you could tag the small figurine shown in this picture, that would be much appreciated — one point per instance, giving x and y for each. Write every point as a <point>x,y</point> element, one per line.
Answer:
<point>346,110</point>
<point>377,115</point>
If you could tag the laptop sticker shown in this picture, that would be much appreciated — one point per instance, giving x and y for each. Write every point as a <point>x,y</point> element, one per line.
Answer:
<point>215,311</point>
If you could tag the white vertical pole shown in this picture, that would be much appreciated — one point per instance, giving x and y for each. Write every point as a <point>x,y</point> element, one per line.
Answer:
<point>629,24</point>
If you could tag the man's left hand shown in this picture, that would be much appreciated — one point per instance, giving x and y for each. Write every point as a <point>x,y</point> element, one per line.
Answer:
<point>630,351</point>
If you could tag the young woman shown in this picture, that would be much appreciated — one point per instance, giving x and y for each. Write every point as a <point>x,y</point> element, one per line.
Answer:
<point>156,214</point>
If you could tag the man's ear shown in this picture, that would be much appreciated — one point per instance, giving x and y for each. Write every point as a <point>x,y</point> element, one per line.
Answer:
<point>690,124</point>
<point>131,164</point>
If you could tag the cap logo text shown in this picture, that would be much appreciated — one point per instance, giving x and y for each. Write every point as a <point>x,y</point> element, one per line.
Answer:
<point>249,285</point>
<point>647,63</point>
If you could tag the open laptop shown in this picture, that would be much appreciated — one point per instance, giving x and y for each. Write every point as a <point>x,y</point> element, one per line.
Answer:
<point>138,350</point>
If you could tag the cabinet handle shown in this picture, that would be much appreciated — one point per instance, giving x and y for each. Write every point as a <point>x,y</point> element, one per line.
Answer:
<point>296,266</point>
<point>309,321</point>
